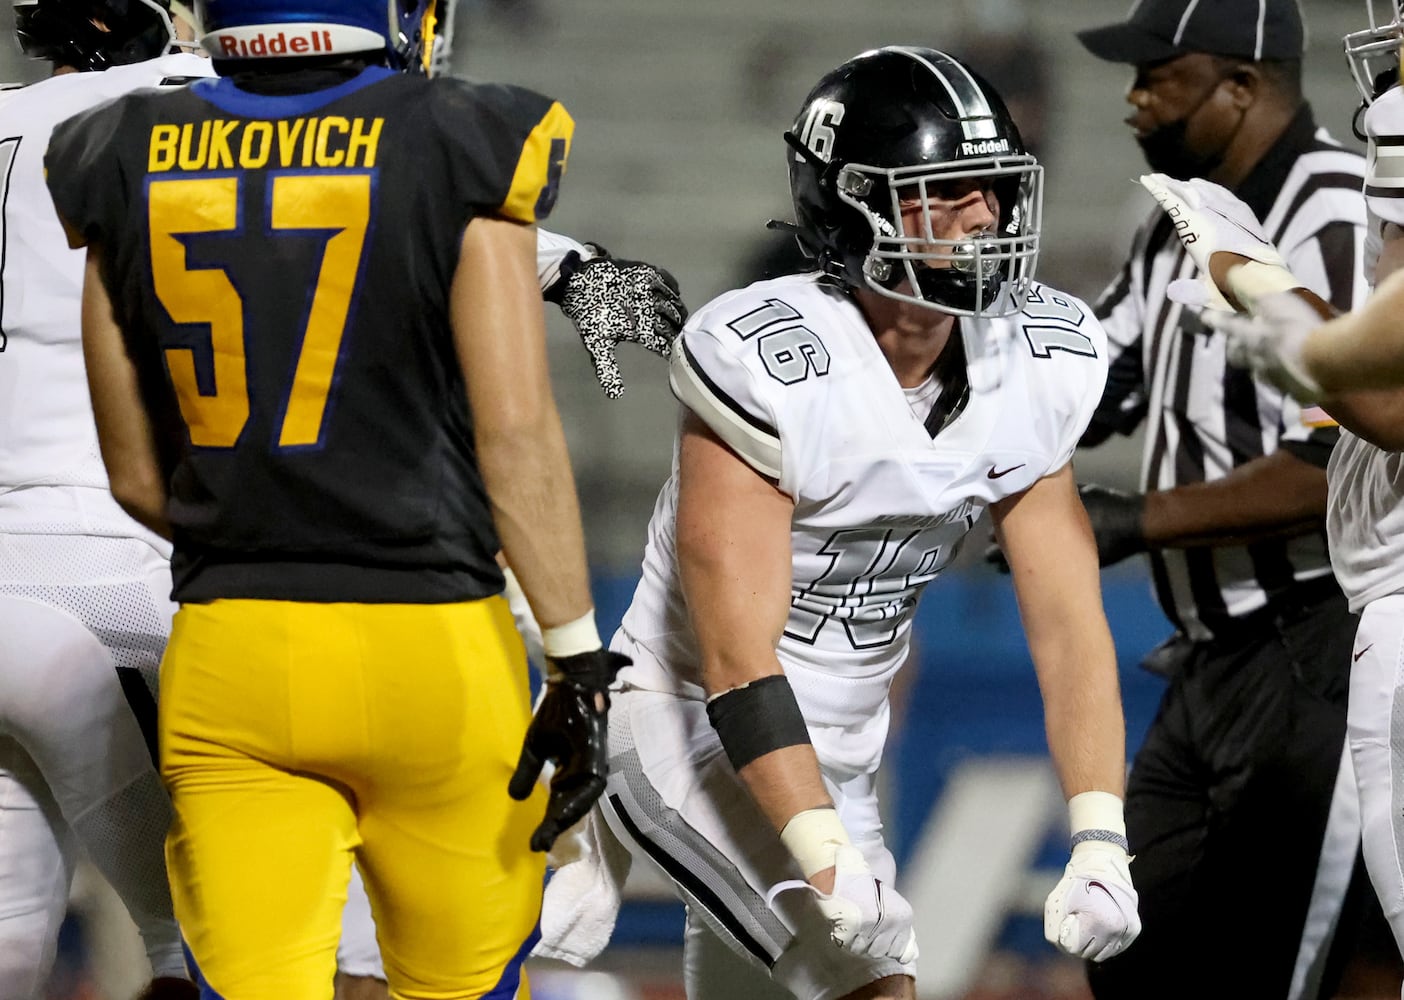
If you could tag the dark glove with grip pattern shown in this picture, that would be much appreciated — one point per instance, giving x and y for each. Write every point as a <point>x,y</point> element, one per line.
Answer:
<point>612,301</point>
<point>569,728</point>
<point>1116,525</point>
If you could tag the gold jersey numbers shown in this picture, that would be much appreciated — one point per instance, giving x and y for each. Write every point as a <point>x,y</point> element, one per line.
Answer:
<point>216,414</point>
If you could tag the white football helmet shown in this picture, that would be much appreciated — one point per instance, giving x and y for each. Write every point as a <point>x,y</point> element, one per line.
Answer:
<point>1373,52</point>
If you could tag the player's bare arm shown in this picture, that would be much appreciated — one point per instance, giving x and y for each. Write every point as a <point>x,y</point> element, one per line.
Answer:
<point>124,427</point>
<point>1365,348</point>
<point>733,538</point>
<point>1047,539</point>
<point>1046,535</point>
<point>1278,495</point>
<point>500,333</point>
<point>1356,358</point>
<point>499,329</point>
<point>734,555</point>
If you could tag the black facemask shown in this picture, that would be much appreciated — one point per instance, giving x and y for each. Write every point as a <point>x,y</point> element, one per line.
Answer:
<point>1167,150</point>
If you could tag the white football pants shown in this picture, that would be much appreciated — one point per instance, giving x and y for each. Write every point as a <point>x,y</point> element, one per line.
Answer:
<point>1375,724</point>
<point>75,764</point>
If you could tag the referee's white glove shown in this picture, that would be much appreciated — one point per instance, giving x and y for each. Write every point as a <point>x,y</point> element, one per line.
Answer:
<point>1270,342</point>
<point>1091,912</point>
<point>1210,219</point>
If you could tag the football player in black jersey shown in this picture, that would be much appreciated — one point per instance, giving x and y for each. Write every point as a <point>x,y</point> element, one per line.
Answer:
<point>316,348</point>
<point>84,590</point>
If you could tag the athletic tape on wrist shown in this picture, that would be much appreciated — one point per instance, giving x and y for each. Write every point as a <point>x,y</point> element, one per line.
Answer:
<point>1097,818</point>
<point>579,636</point>
<point>1251,281</point>
<point>813,838</point>
<point>757,718</point>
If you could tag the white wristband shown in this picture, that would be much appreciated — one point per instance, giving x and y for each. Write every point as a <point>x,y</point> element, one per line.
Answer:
<point>1251,281</point>
<point>813,837</point>
<point>1097,818</point>
<point>579,636</point>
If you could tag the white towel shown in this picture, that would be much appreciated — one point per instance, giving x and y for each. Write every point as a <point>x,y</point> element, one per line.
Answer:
<point>583,893</point>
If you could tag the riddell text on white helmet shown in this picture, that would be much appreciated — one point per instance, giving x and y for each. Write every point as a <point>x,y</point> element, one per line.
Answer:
<point>984,146</point>
<point>261,41</point>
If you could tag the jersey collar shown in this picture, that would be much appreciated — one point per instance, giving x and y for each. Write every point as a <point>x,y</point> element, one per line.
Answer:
<point>223,94</point>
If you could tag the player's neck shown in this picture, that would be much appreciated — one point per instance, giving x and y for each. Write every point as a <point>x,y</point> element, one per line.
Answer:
<point>910,336</point>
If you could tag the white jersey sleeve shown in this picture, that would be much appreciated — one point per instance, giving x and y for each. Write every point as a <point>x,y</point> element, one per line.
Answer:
<point>1069,349</point>
<point>715,372</point>
<point>551,249</point>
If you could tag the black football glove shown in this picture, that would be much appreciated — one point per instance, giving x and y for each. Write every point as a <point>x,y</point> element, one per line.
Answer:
<point>612,301</point>
<point>1116,526</point>
<point>1116,521</point>
<point>570,728</point>
<point>170,988</point>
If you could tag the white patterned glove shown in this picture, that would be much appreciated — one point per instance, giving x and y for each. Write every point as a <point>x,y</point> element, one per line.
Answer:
<point>1270,342</point>
<point>612,301</point>
<point>1210,219</point>
<point>1091,912</point>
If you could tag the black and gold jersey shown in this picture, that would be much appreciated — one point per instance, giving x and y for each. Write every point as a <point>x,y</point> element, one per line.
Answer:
<point>280,266</point>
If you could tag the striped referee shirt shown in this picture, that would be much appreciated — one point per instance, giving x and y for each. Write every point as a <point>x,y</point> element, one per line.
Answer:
<point>1206,418</point>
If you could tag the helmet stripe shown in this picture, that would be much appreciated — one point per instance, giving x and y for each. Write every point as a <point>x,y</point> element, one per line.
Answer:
<point>976,115</point>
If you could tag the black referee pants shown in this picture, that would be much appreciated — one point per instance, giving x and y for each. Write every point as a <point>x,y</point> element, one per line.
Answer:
<point>1226,812</point>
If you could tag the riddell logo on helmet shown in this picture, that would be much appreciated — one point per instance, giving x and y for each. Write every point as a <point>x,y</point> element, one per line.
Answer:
<point>984,146</point>
<point>281,43</point>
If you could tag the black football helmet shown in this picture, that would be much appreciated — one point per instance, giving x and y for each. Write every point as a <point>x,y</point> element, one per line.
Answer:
<point>1373,52</point>
<point>94,34</point>
<point>897,123</point>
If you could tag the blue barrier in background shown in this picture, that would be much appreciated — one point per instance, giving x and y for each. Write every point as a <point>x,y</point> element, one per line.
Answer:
<point>969,691</point>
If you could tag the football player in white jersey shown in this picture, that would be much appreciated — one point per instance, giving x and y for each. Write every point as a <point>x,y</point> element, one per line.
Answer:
<point>841,432</point>
<point>83,588</point>
<point>1354,367</point>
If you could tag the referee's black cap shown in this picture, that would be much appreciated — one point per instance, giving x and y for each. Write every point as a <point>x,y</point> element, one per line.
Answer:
<point>1157,30</point>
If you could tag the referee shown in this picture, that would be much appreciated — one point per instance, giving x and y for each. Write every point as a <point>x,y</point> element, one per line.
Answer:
<point>1240,804</point>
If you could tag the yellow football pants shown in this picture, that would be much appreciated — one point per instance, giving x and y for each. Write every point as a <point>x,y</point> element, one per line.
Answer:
<point>295,735</point>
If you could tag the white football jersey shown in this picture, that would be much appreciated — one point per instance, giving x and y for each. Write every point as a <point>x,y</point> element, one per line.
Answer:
<point>47,437</point>
<point>789,374</point>
<point>551,249</point>
<point>1365,519</point>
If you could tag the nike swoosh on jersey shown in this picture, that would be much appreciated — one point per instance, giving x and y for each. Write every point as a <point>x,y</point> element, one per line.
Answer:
<point>1357,656</point>
<point>1004,472</point>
